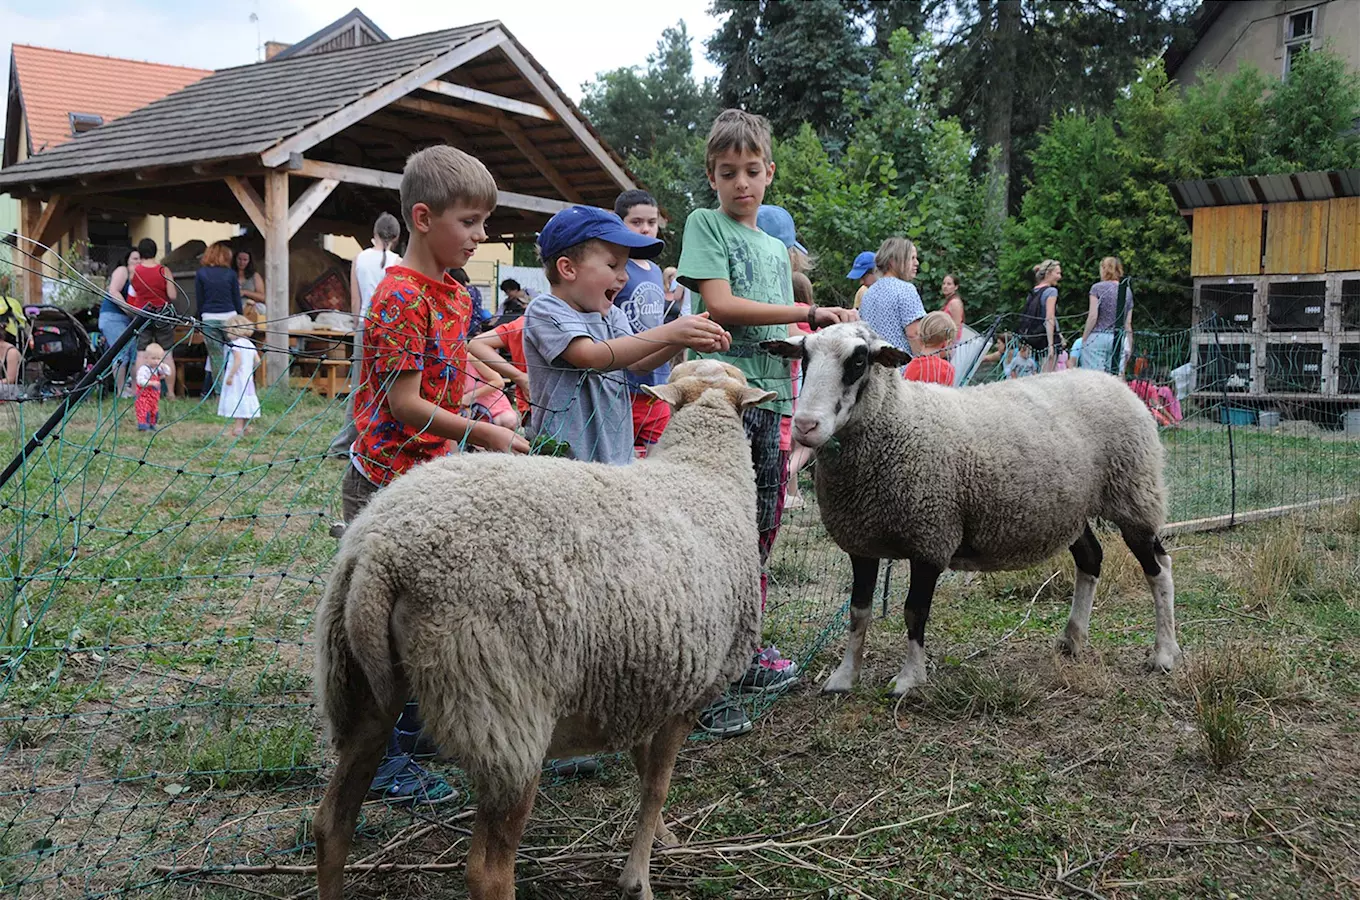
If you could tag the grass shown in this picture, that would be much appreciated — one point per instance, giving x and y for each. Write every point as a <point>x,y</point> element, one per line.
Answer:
<point>155,699</point>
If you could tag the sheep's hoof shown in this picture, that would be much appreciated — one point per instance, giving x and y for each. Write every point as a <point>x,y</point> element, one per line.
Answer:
<point>1070,644</point>
<point>839,683</point>
<point>1164,659</point>
<point>902,684</point>
<point>665,837</point>
<point>635,888</point>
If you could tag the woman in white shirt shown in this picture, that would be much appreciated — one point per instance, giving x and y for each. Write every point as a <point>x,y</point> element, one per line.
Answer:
<point>365,274</point>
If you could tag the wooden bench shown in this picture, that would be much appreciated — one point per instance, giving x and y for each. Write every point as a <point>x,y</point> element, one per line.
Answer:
<point>330,378</point>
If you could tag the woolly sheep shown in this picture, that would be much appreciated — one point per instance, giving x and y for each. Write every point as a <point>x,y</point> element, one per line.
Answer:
<point>544,607</point>
<point>987,478</point>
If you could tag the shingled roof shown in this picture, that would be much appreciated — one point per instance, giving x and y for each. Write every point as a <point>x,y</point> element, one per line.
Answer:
<point>239,112</point>
<point>50,85</point>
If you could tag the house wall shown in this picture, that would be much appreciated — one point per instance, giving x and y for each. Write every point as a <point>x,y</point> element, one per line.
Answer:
<point>180,231</point>
<point>1253,32</point>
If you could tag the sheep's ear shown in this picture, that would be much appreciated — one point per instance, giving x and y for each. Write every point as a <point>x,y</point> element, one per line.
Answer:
<point>886,354</point>
<point>789,348</point>
<point>753,396</point>
<point>666,393</point>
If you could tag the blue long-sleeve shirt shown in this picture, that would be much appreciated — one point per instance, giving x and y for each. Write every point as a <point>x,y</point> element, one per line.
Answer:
<point>217,290</point>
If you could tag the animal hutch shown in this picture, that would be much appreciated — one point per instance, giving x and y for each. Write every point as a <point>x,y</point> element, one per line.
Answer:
<point>1276,266</point>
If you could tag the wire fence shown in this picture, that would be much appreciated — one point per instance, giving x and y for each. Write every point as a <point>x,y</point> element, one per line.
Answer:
<point>155,669</point>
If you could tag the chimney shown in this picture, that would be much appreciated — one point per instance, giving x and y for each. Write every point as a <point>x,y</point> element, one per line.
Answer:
<point>274,48</point>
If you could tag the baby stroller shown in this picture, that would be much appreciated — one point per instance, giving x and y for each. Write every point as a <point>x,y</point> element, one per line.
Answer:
<point>61,351</point>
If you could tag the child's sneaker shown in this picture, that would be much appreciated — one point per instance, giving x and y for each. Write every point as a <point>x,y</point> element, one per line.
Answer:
<point>769,673</point>
<point>401,781</point>
<point>725,718</point>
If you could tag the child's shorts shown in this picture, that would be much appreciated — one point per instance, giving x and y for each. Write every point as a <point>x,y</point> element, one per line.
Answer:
<point>650,418</point>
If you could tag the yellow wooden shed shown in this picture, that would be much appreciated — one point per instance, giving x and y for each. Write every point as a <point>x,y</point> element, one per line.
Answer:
<point>1275,261</point>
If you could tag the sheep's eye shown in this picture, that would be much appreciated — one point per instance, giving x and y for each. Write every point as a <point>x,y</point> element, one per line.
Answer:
<point>856,364</point>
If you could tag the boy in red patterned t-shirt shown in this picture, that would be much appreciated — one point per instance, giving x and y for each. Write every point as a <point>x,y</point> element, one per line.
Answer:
<point>411,378</point>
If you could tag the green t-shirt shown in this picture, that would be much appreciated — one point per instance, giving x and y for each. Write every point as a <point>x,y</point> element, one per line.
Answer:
<point>757,267</point>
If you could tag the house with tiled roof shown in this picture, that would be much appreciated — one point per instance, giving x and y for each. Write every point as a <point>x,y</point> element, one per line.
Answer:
<point>50,102</point>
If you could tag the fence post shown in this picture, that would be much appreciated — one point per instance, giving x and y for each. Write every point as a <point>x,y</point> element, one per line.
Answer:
<point>1227,418</point>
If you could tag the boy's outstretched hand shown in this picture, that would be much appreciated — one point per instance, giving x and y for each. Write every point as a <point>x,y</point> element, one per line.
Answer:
<point>833,315</point>
<point>700,333</point>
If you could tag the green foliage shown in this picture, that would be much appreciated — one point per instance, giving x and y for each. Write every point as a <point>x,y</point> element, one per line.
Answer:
<point>1313,115</point>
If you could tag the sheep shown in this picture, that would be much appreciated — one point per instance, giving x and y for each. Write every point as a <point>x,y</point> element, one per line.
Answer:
<point>987,478</point>
<point>540,607</point>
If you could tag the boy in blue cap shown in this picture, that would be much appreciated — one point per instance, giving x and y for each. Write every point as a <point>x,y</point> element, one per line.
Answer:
<point>575,336</point>
<point>864,272</point>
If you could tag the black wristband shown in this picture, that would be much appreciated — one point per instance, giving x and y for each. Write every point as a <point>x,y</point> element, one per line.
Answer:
<point>812,317</point>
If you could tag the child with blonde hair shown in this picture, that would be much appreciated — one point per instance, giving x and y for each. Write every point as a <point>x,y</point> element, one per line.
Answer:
<point>148,380</point>
<point>937,333</point>
<point>238,400</point>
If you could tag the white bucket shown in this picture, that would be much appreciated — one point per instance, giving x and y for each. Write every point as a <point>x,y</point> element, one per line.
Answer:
<point>1352,421</point>
<point>1268,419</point>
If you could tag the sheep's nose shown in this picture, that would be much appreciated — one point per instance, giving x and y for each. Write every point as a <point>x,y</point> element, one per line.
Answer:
<point>805,429</point>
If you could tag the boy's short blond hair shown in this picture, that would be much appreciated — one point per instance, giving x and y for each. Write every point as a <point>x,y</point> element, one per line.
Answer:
<point>736,129</point>
<point>937,329</point>
<point>441,176</point>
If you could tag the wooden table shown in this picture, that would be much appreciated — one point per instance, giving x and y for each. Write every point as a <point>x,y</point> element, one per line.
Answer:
<point>328,374</point>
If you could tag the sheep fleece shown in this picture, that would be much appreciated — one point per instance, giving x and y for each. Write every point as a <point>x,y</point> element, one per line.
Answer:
<point>521,592</point>
<point>1004,475</point>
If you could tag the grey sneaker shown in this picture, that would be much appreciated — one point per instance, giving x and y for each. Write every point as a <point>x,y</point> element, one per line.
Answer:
<point>725,718</point>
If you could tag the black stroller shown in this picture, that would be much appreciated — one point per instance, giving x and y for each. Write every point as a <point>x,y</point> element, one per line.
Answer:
<point>61,351</point>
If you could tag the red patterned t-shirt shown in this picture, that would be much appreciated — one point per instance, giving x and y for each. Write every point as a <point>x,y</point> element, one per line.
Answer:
<point>414,324</point>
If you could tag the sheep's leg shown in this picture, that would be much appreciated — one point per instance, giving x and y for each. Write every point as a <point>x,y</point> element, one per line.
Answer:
<point>1156,563</point>
<point>360,750</point>
<point>656,782</point>
<point>495,840</point>
<point>917,610</point>
<point>865,571</point>
<point>1087,554</point>
<point>642,761</point>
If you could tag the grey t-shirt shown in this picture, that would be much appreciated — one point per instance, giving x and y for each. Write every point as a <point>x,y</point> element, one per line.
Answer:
<point>590,410</point>
<point>1107,292</point>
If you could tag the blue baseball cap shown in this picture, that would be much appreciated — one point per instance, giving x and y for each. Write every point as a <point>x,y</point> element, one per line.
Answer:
<point>578,224</point>
<point>864,263</point>
<point>776,222</point>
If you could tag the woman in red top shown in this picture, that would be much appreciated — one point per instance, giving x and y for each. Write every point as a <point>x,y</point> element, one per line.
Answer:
<point>153,290</point>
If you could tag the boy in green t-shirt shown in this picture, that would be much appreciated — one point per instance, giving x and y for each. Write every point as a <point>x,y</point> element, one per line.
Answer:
<point>740,275</point>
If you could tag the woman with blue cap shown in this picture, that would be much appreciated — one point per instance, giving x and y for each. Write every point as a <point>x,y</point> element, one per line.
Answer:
<point>864,271</point>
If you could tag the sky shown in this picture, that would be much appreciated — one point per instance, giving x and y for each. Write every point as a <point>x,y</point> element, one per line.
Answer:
<point>571,43</point>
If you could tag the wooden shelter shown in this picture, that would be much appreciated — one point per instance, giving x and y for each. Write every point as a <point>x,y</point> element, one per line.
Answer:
<point>1275,261</point>
<point>316,142</point>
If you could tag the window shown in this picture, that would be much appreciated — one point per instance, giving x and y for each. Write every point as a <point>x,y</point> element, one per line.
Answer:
<point>1298,36</point>
<point>83,122</point>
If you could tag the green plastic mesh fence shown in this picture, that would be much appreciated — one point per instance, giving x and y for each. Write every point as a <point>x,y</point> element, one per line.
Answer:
<point>159,586</point>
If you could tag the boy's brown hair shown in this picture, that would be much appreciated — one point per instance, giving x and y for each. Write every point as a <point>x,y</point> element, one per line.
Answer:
<point>736,129</point>
<point>575,253</point>
<point>441,176</point>
<point>937,329</point>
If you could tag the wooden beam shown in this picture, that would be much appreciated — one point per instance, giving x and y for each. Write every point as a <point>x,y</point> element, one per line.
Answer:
<point>276,274</point>
<point>249,199</point>
<point>309,202</point>
<point>392,182</point>
<point>30,211</point>
<point>313,168</point>
<point>545,168</point>
<point>486,98</point>
<point>444,111</point>
<point>312,135</point>
<point>53,214</point>
<point>565,114</point>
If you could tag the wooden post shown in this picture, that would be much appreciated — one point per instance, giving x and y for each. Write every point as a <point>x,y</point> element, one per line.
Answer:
<point>29,255</point>
<point>276,273</point>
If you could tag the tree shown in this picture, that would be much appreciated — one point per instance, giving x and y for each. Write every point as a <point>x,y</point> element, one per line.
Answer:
<point>1017,63</point>
<point>1312,115</point>
<point>657,119</point>
<point>792,62</point>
